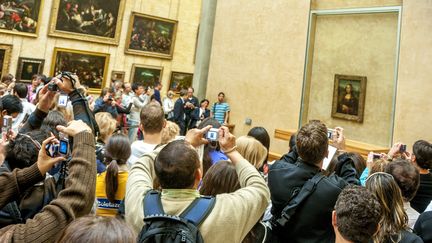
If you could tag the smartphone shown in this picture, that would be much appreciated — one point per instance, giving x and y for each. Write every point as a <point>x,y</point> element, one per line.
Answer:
<point>212,134</point>
<point>376,156</point>
<point>63,100</point>
<point>402,148</point>
<point>330,133</point>
<point>7,125</point>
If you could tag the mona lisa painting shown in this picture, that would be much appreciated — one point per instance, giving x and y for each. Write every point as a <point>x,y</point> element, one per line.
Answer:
<point>349,97</point>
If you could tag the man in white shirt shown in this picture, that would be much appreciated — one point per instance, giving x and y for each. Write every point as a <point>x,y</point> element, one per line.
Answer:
<point>152,122</point>
<point>20,90</point>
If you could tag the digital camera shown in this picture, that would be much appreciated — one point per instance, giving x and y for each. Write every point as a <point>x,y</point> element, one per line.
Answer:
<point>212,134</point>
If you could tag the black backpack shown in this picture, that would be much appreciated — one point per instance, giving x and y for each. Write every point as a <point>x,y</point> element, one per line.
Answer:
<point>161,227</point>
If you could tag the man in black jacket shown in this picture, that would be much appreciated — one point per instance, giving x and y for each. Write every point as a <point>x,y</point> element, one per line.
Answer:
<point>312,220</point>
<point>179,112</point>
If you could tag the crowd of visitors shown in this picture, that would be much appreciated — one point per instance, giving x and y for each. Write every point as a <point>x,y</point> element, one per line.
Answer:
<point>135,166</point>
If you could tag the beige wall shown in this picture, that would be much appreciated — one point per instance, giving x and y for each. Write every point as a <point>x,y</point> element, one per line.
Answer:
<point>258,59</point>
<point>368,50</point>
<point>187,12</point>
<point>413,104</point>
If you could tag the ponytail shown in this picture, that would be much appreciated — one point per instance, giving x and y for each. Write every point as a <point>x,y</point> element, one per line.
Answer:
<point>111,180</point>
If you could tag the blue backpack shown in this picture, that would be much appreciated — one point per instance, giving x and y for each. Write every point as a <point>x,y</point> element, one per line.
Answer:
<point>161,227</point>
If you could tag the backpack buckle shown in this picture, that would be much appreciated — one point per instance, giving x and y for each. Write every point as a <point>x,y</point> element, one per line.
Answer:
<point>284,218</point>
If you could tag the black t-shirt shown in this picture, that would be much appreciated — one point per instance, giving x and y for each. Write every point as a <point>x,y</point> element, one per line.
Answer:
<point>424,194</point>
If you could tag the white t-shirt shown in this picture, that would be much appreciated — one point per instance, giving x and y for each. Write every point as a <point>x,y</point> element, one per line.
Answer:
<point>138,149</point>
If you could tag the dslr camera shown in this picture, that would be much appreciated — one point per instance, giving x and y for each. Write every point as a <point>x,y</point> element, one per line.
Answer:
<point>60,149</point>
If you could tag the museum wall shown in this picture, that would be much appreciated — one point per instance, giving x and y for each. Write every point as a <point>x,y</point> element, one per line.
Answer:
<point>368,49</point>
<point>258,58</point>
<point>186,12</point>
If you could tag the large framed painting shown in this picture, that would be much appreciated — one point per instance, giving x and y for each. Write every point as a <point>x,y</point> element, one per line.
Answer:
<point>146,75</point>
<point>90,67</point>
<point>88,20</point>
<point>179,81</point>
<point>349,97</point>
<point>27,67</point>
<point>151,36</point>
<point>5,55</point>
<point>20,17</point>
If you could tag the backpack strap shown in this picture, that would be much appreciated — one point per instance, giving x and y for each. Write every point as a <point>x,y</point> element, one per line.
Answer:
<point>290,209</point>
<point>152,204</point>
<point>198,210</point>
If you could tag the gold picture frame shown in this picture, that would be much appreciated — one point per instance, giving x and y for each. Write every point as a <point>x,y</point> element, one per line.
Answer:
<point>349,95</point>
<point>118,75</point>
<point>90,67</point>
<point>64,27</point>
<point>179,81</point>
<point>20,14</point>
<point>27,67</point>
<point>138,36</point>
<point>149,74</point>
<point>5,56</point>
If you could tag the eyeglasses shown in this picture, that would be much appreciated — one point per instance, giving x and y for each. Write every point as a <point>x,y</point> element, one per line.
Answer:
<point>385,174</point>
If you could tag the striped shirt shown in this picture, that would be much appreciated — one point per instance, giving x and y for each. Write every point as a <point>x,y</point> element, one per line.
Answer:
<point>219,111</point>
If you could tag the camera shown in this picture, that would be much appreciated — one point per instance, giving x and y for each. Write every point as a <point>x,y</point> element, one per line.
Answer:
<point>402,148</point>
<point>330,133</point>
<point>376,156</point>
<point>60,149</point>
<point>7,125</point>
<point>110,98</point>
<point>53,86</point>
<point>212,134</point>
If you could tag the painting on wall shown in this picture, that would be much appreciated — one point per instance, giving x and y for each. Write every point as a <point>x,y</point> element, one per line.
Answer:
<point>117,76</point>
<point>179,81</point>
<point>90,67</point>
<point>349,97</point>
<point>151,36</point>
<point>20,17</point>
<point>88,20</point>
<point>5,55</point>
<point>146,75</point>
<point>27,67</point>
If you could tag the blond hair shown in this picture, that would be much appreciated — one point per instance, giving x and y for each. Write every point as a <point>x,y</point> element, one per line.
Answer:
<point>169,132</point>
<point>394,218</point>
<point>107,125</point>
<point>252,150</point>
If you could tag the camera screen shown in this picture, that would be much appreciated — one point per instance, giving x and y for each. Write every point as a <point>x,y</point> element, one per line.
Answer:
<point>5,122</point>
<point>63,147</point>
<point>211,135</point>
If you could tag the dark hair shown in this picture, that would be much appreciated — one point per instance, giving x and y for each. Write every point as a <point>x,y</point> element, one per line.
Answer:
<point>11,104</point>
<point>406,176</point>
<point>23,152</point>
<point>292,141</point>
<point>135,86</point>
<point>358,213</point>
<point>176,164</point>
<point>52,120</point>
<point>312,142</point>
<point>220,178</point>
<point>221,93</point>
<point>152,118</point>
<point>106,90</point>
<point>183,92</point>
<point>35,76</point>
<point>207,161</point>
<point>117,151</point>
<point>204,100</point>
<point>423,154</point>
<point>21,90</point>
<point>359,162</point>
<point>99,230</point>
<point>157,83</point>
<point>261,134</point>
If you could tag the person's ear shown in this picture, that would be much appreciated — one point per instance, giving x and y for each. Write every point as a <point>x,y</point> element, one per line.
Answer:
<point>164,123</point>
<point>141,127</point>
<point>413,158</point>
<point>334,219</point>
<point>198,177</point>
<point>3,113</point>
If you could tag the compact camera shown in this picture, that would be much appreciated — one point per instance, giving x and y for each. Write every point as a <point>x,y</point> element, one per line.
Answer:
<point>110,98</point>
<point>212,134</point>
<point>60,149</point>
<point>53,86</point>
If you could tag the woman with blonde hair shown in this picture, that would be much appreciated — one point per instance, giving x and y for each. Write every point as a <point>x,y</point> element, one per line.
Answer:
<point>394,220</point>
<point>169,132</point>
<point>252,150</point>
<point>107,125</point>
